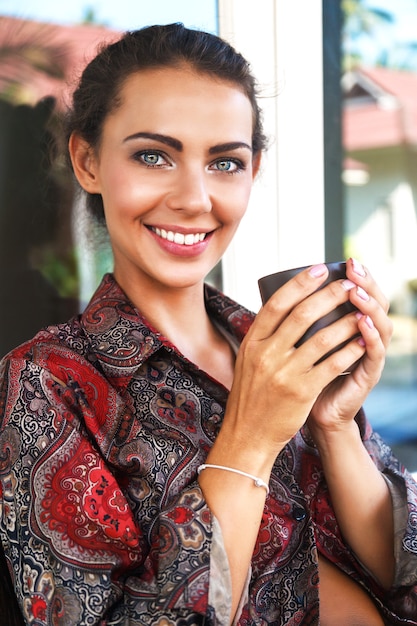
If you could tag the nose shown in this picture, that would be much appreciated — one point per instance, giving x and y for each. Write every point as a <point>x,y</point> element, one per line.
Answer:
<point>190,192</point>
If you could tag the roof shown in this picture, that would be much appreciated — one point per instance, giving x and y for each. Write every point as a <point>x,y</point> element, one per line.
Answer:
<point>380,108</point>
<point>69,49</point>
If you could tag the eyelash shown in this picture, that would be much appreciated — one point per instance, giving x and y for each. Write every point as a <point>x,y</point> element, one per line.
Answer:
<point>140,156</point>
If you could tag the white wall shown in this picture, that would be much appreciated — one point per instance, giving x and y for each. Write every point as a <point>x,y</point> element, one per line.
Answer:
<point>382,223</point>
<point>284,226</point>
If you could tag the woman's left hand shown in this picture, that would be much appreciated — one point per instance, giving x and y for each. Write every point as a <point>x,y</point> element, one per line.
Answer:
<point>354,482</point>
<point>340,401</point>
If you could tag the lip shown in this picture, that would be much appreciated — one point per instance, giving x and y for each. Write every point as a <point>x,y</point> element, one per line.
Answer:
<point>179,249</point>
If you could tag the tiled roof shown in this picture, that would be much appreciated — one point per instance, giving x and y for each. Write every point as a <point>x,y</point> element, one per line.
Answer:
<point>387,117</point>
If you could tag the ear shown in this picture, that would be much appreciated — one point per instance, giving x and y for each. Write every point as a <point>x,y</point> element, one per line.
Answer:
<point>84,163</point>
<point>256,164</point>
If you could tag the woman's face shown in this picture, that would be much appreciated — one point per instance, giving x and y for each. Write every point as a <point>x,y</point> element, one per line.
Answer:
<point>175,170</point>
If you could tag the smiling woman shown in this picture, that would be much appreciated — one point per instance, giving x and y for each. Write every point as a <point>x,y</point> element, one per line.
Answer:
<point>193,180</point>
<point>168,456</point>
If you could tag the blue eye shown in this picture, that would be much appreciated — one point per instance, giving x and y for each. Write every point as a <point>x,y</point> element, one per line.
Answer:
<point>229,166</point>
<point>150,158</point>
<point>225,166</point>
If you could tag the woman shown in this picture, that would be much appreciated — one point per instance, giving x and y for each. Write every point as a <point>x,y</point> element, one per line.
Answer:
<point>169,458</point>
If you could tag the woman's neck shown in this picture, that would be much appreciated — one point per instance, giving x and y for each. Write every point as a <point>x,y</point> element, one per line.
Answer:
<point>181,316</point>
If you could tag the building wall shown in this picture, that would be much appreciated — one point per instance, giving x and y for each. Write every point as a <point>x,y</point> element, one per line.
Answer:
<point>381,221</point>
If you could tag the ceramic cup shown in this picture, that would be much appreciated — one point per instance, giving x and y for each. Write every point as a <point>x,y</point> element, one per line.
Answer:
<point>337,270</point>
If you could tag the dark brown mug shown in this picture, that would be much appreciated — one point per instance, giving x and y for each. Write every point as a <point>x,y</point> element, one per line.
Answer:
<point>337,270</point>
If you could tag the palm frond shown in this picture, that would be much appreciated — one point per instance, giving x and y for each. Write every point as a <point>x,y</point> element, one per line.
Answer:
<point>31,45</point>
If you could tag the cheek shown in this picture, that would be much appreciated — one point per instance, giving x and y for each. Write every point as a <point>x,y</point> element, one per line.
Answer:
<point>124,193</point>
<point>235,202</point>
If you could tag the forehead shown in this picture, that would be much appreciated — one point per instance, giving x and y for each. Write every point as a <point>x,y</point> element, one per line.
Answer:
<point>173,95</point>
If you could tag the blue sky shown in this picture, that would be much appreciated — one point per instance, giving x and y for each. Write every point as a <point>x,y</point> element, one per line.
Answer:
<point>118,14</point>
<point>129,14</point>
<point>405,12</point>
<point>392,37</point>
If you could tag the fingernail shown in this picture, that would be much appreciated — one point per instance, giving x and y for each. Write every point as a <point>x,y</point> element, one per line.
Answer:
<point>317,270</point>
<point>369,322</point>
<point>348,285</point>
<point>358,315</point>
<point>362,294</point>
<point>358,268</point>
<point>361,342</point>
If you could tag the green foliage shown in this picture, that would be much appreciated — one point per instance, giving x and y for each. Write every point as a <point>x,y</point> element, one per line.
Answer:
<point>362,20</point>
<point>90,17</point>
<point>62,273</point>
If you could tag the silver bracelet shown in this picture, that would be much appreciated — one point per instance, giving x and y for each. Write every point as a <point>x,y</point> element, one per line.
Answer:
<point>258,481</point>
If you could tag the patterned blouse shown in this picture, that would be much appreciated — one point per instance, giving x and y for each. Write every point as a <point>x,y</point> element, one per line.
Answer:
<point>103,424</point>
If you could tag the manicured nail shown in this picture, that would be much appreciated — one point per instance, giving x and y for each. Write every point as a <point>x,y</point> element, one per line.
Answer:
<point>361,342</point>
<point>317,270</point>
<point>362,294</point>
<point>348,285</point>
<point>369,322</point>
<point>358,268</point>
<point>358,315</point>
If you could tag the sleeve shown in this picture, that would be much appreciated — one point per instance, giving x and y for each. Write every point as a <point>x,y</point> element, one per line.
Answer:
<point>75,549</point>
<point>405,560</point>
<point>220,588</point>
<point>403,489</point>
<point>400,602</point>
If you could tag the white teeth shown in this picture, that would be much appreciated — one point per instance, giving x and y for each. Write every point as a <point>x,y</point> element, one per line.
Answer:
<point>180,238</point>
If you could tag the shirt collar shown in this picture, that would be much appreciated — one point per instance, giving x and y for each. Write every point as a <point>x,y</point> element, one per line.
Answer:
<point>121,339</point>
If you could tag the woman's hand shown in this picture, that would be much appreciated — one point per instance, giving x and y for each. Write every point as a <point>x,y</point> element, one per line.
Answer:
<point>276,385</point>
<point>340,401</point>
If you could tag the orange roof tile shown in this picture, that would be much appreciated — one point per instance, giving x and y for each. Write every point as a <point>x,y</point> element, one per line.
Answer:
<point>373,124</point>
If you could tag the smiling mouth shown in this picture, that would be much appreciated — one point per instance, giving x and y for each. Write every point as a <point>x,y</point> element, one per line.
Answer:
<point>190,239</point>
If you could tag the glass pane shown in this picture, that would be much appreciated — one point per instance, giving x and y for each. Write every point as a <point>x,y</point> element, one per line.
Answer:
<point>380,178</point>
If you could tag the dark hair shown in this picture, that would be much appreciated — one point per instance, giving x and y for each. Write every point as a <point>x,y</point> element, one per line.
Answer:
<point>170,45</point>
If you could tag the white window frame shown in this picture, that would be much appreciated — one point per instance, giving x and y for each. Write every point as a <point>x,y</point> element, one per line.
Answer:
<point>284,225</point>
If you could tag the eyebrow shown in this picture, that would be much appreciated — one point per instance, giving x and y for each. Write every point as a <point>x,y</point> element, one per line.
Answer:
<point>166,139</point>
<point>226,147</point>
<point>178,146</point>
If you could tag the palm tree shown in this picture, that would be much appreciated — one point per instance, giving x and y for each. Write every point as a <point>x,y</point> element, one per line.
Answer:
<point>27,48</point>
<point>359,21</point>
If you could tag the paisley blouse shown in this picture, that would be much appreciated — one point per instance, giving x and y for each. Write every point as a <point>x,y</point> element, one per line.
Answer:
<point>103,424</point>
